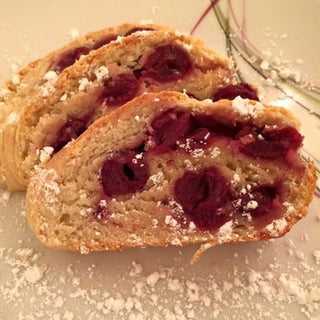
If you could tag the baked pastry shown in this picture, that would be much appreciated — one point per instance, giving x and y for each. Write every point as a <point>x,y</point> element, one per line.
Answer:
<point>38,77</point>
<point>101,82</point>
<point>169,170</point>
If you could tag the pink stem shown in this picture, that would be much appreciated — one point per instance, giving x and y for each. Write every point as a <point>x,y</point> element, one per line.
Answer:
<point>204,14</point>
<point>244,37</point>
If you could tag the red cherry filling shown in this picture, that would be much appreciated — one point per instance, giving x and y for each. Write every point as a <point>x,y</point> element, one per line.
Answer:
<point>273,143</point>
<point>265,149</point>
<point>120,89</point>
<point>216,127</point>
<point>263,196</point>
<point>173,129</point>
<point>288,136</point>
<point>124,174</point>
<point>244,90</point>
<point>137,29</point>
<point>167,63</point>
<point>169,127</point>
<point>102,212</point>
<point>68,58</point>
<point>261,203</point>
<point>71,130</point>
<point>203,196</point>
<point>102,42</point>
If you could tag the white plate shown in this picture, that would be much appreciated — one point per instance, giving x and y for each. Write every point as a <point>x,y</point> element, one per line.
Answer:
<point>278,279</point>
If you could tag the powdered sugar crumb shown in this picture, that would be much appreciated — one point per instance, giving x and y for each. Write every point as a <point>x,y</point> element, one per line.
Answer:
<point>172,222</point>
<point>33,274</point>
<point>50,75</point>
<point>136,270</point>
<point>45,154</point>
<point>277,227</point>
<point>64,97</point>
<point>225,232</point>
<point>119,39</point>
<point>4,198</point>
<point>83,84</point>
<point>15,79</point>
<point>245,108</point>
<point>13,117</point>
<point>48,178</point>
<point>101,73</point>
<point>235,180</point>
<point>251,205</point>
<point>316,255</point>
<point>143,33</point>
<point>73,33</point>
<point>47,88</point>
<point>187,46</point>
<point>4,92</point>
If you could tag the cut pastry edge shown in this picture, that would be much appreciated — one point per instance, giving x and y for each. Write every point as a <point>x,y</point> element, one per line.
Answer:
<point>58,162</point>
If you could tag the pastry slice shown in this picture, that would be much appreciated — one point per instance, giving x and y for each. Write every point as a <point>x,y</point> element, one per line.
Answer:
<point>166,169</point>
<point>145,61</point>
<point>38,77</point>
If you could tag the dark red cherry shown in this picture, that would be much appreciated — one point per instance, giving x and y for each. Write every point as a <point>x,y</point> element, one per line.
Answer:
<point>198,139</point>
<point>102,212</point>
<point>102,42</point>
<point>274,143</point>
<point>262,197</point>
<point>244,90</point>
<point>216,127</point>
<point>262,203</point>
<point>71,130</point>
<point>137,29</point>
<point>167,63</point>
<point>124,174</point>
<point>170,127</point>
<point>289,136</point>
<point>120,89</point>
<point>69,57</point>
<point>203,196</point>
<point>265,149</point>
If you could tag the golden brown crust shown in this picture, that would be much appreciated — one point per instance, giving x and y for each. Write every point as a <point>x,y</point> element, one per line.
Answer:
<point>31,78</point>
<point>54,215</point>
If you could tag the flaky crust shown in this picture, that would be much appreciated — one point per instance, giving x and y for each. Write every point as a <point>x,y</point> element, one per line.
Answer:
<point>20,140</point>
<point>16,96</point>
<point>55,208</point>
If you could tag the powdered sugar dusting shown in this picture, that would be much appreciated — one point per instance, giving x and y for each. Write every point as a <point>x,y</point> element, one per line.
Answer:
<point>83,84</point>
<point>4,198</point>
<point>48,178</point>
<point>13,117</point>
<point>47,88</point>
<point>4,92</point>
<point>225,232</point>
<point>33,274</point>
<point>45,154</point>
<point>277,227</point>
<point>247,108</point>
<point>101,73</point>
<point>138,291</point>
